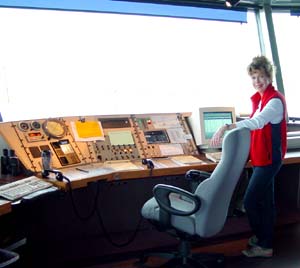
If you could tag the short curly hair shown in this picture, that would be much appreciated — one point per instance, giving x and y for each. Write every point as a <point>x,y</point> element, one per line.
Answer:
<point>261,63</point>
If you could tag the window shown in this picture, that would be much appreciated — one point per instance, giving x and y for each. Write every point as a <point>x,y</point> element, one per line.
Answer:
<point>288,43</point>
<point>56,63</point>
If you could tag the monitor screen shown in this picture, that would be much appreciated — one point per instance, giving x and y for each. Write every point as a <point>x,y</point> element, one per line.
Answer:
<point>212,118</point>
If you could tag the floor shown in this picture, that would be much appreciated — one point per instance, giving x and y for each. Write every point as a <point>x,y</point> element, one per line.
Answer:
<point>286,252</point>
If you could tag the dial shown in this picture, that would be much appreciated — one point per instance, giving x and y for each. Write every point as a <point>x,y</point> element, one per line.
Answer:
<point>35,125</point>
<point>54,128</point>
<point>23,126</point>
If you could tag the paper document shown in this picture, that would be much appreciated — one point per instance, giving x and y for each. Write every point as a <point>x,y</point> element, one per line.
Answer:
<point>87,130</point>
<point>186,159</point>
<point>166,121</point>
<point>170,149</point>
<point>176,135</point>
<point>121,165</point>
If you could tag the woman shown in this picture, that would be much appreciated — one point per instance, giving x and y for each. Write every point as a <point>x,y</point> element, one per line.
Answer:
<point>268,147</point>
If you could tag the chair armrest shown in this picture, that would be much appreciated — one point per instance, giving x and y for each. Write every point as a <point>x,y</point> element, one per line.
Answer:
<point>197,175</point>
<point>162,195</point>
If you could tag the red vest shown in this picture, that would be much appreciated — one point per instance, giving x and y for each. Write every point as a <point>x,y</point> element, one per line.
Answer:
<point>262,141</point>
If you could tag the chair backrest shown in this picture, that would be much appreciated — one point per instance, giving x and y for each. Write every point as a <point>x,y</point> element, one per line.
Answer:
<point>216,191</point>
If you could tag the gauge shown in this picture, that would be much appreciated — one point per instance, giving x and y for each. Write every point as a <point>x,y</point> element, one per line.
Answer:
<point>35,136</point>
<point>54,128</point>
<point>35,125</point>
<point>23,126</point>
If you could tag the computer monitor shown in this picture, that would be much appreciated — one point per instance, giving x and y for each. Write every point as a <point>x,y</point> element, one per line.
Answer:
<point>211,119</point>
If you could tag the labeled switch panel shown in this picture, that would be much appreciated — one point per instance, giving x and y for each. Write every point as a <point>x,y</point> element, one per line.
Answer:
<point>79,140</point>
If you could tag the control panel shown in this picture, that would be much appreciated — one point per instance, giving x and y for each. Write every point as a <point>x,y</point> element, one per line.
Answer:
<point>79,140</point>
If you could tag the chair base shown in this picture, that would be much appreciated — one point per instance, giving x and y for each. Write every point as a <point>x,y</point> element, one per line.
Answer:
<point>198,260</point>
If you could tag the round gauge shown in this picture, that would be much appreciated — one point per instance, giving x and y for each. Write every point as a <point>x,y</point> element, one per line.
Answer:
<point>35,125</point>
<point>54,128</point>
<point>23,126</point>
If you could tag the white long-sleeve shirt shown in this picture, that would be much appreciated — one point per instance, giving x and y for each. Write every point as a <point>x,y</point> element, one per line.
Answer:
<point>271,113</point>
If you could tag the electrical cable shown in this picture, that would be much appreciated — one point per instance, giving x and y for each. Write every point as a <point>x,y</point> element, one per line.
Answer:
<point>60,177</point>
<point>108,237</point>
<point>94,207</point>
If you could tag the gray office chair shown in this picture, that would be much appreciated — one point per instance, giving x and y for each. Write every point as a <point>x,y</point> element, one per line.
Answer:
<point>202,213</point>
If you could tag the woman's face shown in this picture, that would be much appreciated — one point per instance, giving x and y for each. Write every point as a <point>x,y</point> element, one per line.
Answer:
<point>260,80</point>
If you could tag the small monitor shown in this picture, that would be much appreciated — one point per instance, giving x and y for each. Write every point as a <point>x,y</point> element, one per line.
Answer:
<point>211,119</point>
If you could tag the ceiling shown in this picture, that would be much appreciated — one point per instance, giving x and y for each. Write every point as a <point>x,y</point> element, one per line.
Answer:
<point>273,3</point>
<point>276,4</point>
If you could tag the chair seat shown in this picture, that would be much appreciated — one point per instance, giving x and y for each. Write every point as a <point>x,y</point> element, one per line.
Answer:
<point>185,224</point>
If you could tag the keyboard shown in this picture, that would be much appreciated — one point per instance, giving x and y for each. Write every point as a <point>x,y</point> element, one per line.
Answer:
<point>214,156</point>
<point>17,189</point>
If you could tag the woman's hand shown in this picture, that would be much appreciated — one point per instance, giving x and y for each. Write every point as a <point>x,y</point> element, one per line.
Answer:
<point>216,139</point>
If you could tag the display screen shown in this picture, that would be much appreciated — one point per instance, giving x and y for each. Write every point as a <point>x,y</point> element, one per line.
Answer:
<point>66,148</point>
<point>65,152</point>
<point>156,136</point>
<point>214,120</point>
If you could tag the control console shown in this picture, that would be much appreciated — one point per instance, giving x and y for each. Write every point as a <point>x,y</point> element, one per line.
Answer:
<point>79,140</point>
